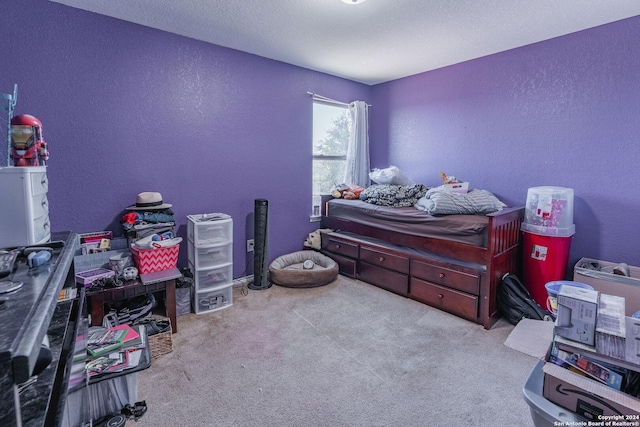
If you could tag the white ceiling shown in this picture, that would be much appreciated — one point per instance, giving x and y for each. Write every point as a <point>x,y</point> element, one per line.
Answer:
<point>372,42</point>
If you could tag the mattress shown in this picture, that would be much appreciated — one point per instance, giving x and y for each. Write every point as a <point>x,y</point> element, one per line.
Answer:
<point>469,229</point>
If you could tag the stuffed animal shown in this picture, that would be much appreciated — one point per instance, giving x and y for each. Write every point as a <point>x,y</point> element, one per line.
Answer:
<point>448,179</point>
<point>130,273</point>
<point>314,240</point>
<point>349,192</point>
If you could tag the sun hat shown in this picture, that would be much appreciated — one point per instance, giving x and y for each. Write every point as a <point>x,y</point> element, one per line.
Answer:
<point>149,200</point>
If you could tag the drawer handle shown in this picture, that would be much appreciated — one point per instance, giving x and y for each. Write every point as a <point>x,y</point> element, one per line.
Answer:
<point>44,203</point>
<point>440,296</point>
<point>337,246</point>
<point>442,275</point>
<point>381,258</point>
<point>46,225</point>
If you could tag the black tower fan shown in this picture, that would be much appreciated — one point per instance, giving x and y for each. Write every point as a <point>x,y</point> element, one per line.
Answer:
<point>261,240</point>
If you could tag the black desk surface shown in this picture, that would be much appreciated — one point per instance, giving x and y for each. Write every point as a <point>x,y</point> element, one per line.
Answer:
<point>29,313</point>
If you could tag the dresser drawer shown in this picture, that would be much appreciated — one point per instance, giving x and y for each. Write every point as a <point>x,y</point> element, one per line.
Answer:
<point>462,281</point>
<point>384,259</point>
<point>346,265</point>
<point>39,183</point>
<point>452,301</point>
<point>340,247</point>
<point>383,278</point>
<point>40,205</point>
<point>41,229</point>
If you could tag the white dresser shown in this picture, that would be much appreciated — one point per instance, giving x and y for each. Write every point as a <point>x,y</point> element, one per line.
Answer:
<point>24,208</point>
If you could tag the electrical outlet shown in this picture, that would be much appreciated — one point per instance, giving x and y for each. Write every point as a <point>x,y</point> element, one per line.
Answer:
<point>250,245</point>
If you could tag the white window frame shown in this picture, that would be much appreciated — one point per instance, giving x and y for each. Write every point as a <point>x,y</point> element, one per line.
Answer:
<point>316,198</point>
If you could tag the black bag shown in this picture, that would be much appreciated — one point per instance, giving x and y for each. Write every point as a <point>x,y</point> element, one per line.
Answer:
<point>516,303</point>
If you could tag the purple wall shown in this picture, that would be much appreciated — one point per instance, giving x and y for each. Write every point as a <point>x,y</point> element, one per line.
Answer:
<point>127,109</point>
<point>564,112</point>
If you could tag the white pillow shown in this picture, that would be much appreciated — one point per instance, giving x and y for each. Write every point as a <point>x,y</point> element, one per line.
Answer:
<point>390,175</point>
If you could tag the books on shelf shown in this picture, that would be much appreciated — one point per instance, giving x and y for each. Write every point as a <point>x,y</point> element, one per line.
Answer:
<point>67,293</point>
<point>99,241</point>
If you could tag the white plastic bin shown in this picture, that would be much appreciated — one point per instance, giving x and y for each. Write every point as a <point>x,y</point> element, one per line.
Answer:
<point>543,412</point>
<point>549,210</point>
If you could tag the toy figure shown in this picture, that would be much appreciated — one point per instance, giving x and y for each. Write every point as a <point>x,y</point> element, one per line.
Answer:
<point>28,147</point>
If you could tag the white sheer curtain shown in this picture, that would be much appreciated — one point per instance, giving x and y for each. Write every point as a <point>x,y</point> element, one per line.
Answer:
<point>357,170</point>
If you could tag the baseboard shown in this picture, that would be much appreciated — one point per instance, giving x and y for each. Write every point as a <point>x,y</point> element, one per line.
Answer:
<point>244,281</point>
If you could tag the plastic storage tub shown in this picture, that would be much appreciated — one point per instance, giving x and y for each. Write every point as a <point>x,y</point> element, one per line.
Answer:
<point>549,211</point>
<point>543,412</point>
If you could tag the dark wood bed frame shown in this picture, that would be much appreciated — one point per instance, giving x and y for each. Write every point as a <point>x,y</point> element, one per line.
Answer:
<point>456,277</point>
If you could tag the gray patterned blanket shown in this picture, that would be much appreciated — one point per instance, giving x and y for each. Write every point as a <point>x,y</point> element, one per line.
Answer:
<point>397,196</point>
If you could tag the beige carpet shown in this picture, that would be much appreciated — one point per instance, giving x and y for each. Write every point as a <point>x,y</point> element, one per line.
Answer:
<point>346,354</point>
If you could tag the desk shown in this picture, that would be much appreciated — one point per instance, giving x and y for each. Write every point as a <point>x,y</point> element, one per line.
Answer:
<point>164,280</point>
<point>29,314</point>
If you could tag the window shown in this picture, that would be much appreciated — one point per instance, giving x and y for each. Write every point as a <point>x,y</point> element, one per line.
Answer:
<point>331,127</point>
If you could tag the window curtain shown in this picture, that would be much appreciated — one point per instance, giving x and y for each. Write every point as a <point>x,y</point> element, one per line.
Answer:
<point>357,170</point>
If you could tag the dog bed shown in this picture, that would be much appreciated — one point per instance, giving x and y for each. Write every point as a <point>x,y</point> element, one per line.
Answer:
<point>303,269</point>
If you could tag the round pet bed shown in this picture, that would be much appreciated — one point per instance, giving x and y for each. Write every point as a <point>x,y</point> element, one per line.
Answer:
<point>303,269</point>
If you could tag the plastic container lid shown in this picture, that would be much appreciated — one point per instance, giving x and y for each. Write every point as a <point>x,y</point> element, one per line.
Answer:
<point>554,287</point>
<point>549,231</point>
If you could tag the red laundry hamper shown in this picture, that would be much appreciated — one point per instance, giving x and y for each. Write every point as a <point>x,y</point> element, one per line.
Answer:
<point>545,259</point>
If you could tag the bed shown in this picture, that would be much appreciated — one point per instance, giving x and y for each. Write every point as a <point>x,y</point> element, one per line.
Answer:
<point>452,262</point>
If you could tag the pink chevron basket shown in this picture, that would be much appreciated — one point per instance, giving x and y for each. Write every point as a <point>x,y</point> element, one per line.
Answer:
<point>150,260</point>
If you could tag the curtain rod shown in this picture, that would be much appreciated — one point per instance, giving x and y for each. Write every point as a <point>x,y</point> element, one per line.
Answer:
<point>329,100</point>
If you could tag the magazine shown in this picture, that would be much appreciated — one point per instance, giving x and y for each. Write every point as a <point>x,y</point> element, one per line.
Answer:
<point>99,365</point>
<point>103,340</point>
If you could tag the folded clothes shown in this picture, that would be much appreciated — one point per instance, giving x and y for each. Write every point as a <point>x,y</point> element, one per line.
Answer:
<point>150,242</point>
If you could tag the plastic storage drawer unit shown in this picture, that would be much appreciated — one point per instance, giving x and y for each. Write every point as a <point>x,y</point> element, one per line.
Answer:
<point>210,255</point>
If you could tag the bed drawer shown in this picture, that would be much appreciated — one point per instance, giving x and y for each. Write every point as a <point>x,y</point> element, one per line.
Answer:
<point>460,280</point>
<point>450,300</point>
<point>385,259</point>
<point>346,265</point>
<point>339,246</point>
<point>383,278</point>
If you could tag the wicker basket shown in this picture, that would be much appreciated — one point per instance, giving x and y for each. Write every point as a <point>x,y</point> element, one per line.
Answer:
<point>161,343</point>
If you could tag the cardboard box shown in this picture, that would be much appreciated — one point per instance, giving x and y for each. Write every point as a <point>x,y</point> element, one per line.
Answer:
<point>599,275</point>
<point>632,341</point>
<point>611,326</point>
<point>577,311</point>
<point>86,278</point>
<point>585,396</point>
